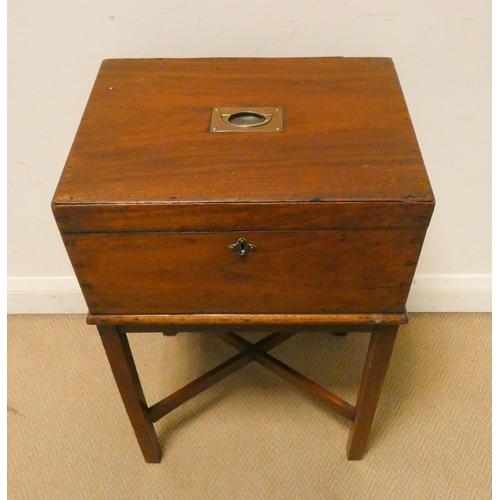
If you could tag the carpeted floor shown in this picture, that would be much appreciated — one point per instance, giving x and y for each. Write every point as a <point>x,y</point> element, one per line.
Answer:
<point>252,436</point>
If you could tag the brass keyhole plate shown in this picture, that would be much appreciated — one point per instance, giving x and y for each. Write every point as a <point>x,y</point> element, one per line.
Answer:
<point>242,247</point>
<point>269,119</point>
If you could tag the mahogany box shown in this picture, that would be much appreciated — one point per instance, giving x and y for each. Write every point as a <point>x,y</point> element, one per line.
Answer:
<point>330,204</point>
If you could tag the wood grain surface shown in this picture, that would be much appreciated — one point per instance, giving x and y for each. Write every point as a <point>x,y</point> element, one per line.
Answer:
<point>144,136</point>
<point>315,272</point>
<point>171,323</point>
<point>240,216</point>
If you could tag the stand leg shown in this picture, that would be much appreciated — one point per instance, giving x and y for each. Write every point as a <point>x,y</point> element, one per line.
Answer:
<point>123,367</point>
<point>377,360</point>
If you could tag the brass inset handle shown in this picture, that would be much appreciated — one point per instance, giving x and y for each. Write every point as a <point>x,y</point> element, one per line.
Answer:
<point>246,119</point>
<point>242,247</point>
<point>268,119</point>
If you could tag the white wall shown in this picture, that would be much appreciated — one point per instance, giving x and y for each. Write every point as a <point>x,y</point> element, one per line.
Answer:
<point>441,50</point>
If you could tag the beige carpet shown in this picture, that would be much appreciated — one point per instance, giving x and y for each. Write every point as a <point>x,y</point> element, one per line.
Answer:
<point>253,436</point>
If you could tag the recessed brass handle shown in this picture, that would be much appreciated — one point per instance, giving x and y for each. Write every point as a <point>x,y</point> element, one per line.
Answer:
<point>268,119</point>
<point>246,119</point>
<point>242,247</point>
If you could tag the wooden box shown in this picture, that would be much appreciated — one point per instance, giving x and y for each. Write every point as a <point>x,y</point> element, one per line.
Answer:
<point>336,203</point>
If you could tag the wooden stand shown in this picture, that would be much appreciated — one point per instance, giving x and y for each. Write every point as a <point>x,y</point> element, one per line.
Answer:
<point>383,330</point>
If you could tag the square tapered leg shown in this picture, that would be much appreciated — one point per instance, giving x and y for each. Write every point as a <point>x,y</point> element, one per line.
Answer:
<point>376,364</point>
<point>127,379</point>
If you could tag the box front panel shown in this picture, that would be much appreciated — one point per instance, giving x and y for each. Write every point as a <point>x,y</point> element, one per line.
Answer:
<point>288,272</point>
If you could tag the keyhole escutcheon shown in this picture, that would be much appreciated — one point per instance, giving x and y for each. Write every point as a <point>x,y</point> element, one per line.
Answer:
<point>242,247</point>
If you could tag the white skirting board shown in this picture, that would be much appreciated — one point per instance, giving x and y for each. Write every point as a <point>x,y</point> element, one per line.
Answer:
<point>429,293</point>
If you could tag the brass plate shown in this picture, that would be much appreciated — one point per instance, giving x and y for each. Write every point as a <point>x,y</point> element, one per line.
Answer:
<point>268,119</point>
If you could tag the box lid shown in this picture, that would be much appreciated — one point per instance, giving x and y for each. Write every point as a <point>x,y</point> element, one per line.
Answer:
<point>347,153</point>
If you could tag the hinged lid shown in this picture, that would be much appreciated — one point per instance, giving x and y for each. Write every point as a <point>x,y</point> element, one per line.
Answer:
<point>144,157</point>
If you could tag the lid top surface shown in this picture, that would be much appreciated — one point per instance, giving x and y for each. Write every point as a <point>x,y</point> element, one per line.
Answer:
<point>145,137</point>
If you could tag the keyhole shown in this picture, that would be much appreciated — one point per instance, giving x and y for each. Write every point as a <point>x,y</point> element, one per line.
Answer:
<point>242,247</point>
